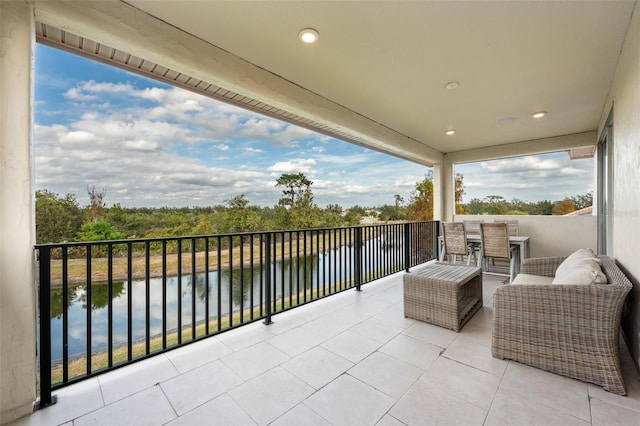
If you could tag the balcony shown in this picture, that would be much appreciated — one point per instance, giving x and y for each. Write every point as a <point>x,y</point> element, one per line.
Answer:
<point>577,71</point>
<point>351,358</point>
<point>298,347</point>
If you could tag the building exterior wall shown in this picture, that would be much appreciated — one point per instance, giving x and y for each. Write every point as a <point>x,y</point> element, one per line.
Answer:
<point>17,294</point>
<point>624,98</point>
<point>550,235</point>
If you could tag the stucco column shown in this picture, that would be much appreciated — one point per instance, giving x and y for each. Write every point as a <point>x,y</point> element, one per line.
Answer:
<point>443,190</point>
<point>17,295</point>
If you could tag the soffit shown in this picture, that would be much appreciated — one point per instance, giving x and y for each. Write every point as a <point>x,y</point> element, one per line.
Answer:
<point>390,60</point>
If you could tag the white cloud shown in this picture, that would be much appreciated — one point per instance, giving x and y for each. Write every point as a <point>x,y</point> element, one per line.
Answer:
<point>154,146</point>
<point>76,94</point>
<point>298,165</point>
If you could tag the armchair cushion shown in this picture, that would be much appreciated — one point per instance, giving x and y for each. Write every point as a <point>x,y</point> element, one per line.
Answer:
<point>581,267</point>
<point>531,279</point>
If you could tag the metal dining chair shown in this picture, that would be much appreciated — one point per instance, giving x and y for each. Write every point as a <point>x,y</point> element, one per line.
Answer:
<point>494,239</point>
<point>455,241</point>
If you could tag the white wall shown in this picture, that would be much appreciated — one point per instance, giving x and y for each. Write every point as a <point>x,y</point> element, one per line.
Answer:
<point>550,235</point>
<point>17,299</point>
<point>624,97</point>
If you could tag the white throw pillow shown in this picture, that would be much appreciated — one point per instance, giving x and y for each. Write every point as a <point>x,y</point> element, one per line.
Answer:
<point>575,258</point>
<point>581,267</point>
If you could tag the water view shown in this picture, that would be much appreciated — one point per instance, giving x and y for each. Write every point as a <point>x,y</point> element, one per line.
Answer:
<point>240,289</point>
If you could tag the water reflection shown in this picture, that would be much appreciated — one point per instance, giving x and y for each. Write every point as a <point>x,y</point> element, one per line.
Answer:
<point>232,290</point>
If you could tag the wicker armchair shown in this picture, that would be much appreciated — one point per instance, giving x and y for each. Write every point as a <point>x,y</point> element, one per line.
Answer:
<point>572,330</point>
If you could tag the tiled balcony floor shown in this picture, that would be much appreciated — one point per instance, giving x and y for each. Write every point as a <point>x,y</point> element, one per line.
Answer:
<point>351,359</point>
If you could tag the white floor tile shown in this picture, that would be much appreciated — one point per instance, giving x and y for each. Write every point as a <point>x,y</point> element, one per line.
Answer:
<point>430,333</point>
<point>389,420</point>
<point>197,354</point>
<point>286,321</point>
<point>395,317</point>
<point>198,386</point>
<point>348,401</point>
<point>267,397</point>
<point>149,407</point>
<point>73,401</point>
<point>386,373</point>
<point>329,326</point>
<point>467,351</point>
<point>378,330</point>
<point>301,415</point>
<point>255,360</point>
<point>425,404</point>
<point>554,391</point>
<point>133,378</point>
<point>392,295</point>
<point>604,414</point>
<point>296,341</point>
<point>222,411</point>
<point>631,401</point>
<point>411,350</point>
<point>511,408</point>
<point>317,366</point>
<point>475,386</point>
<point>245,336</point>
<point>352,346</point>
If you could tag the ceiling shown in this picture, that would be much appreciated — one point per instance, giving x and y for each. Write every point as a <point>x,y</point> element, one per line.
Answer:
<point>389,61</point>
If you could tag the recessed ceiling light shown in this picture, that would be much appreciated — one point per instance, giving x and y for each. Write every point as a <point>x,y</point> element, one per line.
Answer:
<point>450,132</point>
<point>308,35</point>
<point>451,85</point>
<point>539,114</point>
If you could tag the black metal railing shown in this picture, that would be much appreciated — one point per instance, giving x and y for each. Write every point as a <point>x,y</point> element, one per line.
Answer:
<point>106,304</point>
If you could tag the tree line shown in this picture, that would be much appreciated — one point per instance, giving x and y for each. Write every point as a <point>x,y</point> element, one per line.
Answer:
<point>61,218</point>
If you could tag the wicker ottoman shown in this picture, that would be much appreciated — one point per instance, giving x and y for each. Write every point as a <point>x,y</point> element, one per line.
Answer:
<point>443,294</point>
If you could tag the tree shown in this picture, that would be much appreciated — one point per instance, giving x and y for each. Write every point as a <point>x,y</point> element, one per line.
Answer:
<point>389,212</point>
<point>563,207</point>
<point>58,218</point>
<point>474,206</point>
<point>98,231</point>
<point>544,207</point>
<point>495,204</point>
<point>297,209</point>
<point>421,202</point>
<point>239,217</point>
<point>459,188</point>
<point>399,201</point>
<point>296,188</point>
<point>582,201</point>
<point>95,210</point>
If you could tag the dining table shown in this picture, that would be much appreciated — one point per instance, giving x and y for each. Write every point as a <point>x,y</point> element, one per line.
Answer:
<point>521,241</point>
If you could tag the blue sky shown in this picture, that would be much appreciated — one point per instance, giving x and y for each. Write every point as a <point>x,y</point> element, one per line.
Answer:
<point>149,144</point>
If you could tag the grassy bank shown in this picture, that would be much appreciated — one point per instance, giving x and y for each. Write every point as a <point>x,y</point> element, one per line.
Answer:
<point>77,267</point>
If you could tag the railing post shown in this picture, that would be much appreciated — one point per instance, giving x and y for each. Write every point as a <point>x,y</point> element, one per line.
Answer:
<point>407,246</point>
<point>267,280</point>
<point>357,256</point>
<point>44,303</point>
